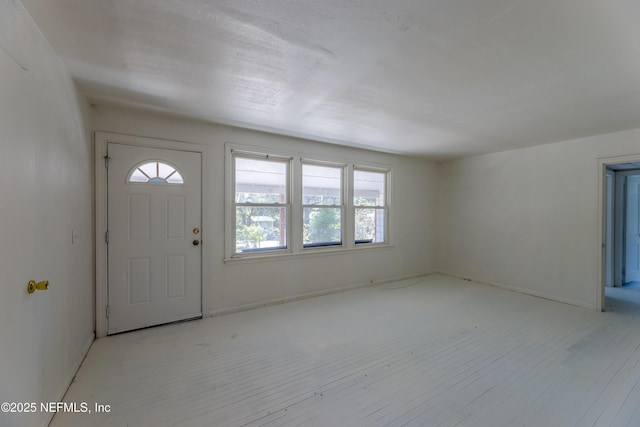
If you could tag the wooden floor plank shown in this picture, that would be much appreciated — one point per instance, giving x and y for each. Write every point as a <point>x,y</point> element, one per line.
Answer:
<point>434,351</point>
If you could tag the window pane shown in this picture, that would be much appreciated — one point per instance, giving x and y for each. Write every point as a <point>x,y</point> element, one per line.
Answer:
<point>138,176</point>
<point>370,224</point>
<point>150,169</point>
<point>321,185</point>
<point>164,170</point>
<point>368,188</point>
<point>260,181</point>
<point>260,228</point>
<point>322,226</point>
<point>175,178</point>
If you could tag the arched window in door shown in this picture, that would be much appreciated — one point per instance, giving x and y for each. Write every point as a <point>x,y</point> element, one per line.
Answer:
<point>155,172</point>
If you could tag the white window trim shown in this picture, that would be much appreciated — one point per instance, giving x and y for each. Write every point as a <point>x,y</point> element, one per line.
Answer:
<point>295,246</point>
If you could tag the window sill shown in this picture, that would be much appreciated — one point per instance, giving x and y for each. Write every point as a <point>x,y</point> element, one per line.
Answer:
<point>308,252</point>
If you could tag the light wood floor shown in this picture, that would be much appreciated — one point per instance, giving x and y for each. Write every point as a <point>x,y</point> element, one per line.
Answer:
<point>434,351</point>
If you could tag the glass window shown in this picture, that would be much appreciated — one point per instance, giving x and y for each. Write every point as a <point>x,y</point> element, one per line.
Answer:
<point>369,202</point>
<point>279,203</point>
<point>322,205</point>
<point>261,203</point>
<point>155,172</point>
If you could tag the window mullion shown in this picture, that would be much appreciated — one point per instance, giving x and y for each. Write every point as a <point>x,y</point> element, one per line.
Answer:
<point>349,226</point>
<point>263,205</point>
<point>296,231</point>
<point>322,206</point>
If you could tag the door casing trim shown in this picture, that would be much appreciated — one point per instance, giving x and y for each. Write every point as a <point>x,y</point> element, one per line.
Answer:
<point>101,141</point>
<point>603,162</point>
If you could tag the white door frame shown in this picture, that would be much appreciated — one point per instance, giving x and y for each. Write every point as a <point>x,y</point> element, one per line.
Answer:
<point>610,232</point>
<point>102,139</point>
<point>622,218</point>
<point>601,259</point>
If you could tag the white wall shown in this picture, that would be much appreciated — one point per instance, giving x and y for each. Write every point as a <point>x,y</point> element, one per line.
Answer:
<point>528,219</point>
<point>244,283</point>
<point>45,189</point>
<point>525,219</point>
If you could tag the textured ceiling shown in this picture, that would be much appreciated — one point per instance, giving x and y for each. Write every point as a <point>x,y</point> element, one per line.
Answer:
<point>440,78</point>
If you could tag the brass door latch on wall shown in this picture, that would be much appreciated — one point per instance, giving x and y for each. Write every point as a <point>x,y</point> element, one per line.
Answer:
<point>41,286</point>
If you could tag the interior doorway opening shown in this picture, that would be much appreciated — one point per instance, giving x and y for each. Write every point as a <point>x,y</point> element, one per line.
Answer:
<point>621,236</point>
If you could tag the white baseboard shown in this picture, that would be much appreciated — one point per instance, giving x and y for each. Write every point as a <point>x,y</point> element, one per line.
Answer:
<point>298,297</point>
<point>61,393</point>
<point>520,290</point>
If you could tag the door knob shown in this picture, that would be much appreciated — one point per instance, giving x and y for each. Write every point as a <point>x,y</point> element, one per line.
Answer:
<point>196,242</point>
<point>41,286</point>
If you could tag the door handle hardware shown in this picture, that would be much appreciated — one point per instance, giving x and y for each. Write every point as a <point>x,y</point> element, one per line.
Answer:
<point>196,230</point>
<point>41,286</point>
<point>196,242</point>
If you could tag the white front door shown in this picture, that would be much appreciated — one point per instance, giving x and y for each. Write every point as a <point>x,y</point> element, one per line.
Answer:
<point>154,236</point>
<point>632,232</point>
